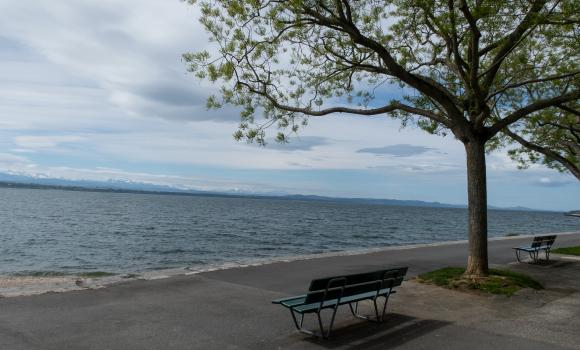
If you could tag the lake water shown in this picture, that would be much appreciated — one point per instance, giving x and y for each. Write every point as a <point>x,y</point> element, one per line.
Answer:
<point>78,232</point>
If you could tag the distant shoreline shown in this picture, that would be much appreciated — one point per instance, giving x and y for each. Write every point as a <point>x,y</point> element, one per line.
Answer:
<point>295,197</point>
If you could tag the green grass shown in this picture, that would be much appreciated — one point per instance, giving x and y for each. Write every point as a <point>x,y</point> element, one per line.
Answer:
<point>502,282</point>
<point>567,250</point>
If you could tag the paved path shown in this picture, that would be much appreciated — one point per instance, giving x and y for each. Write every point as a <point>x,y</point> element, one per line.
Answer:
<point>230,309</point>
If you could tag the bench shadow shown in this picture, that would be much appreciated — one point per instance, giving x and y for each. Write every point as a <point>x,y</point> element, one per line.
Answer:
<point>550,262</point>
<point>395,331</point>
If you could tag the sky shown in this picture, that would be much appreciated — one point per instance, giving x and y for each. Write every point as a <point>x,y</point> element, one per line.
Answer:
<point>97,90</point>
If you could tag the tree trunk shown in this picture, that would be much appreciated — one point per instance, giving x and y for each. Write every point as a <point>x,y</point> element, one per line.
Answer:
<point>477,262</point>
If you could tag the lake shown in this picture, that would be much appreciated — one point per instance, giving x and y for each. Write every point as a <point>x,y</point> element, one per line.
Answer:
<point>58,231</point>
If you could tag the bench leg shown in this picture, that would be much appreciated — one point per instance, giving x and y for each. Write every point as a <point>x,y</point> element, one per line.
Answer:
<point>323,334</point>
<point>326,334</point>
<point>354,311</point>
<point>518,255</point>
<point>384,307</point>
<point>378,316</point>
<point>534,255</point>
<point>298,326</point>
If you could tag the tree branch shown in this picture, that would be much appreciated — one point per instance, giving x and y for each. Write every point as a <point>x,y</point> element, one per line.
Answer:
<point>569,110</point>
<point>454,42</point>
<point>473,57</point>
<point>423,84</point>
<point>509,42</point>
<point>532,81</point>
<point>573,168</point>
<point>393,106</point>
<point>534,107</point>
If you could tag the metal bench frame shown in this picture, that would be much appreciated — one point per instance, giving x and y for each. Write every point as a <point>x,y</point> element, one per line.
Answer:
<point>540,243</point>
<point>341,290</point>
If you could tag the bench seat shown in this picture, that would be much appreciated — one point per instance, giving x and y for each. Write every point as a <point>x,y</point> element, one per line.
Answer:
<point>298,304</point>
<point>530,249</point>
<point>306,308</point>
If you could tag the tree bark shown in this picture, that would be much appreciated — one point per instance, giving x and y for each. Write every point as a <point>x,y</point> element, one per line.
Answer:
<point>477,262</point>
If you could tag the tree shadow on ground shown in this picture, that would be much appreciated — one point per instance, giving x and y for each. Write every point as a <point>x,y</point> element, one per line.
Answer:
<point>395,331</point>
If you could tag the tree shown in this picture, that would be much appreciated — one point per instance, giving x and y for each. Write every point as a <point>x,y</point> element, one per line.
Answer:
<point>475,69</point>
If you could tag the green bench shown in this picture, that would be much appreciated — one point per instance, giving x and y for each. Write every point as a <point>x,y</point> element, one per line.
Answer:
<point>332,292</point>
<point>540,243</point>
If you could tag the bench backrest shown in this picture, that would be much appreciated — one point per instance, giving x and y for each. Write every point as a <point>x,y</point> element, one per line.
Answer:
<point>543,241</point>
<point>328,282</point>
<point>347,285</point>
<point>319,296</point>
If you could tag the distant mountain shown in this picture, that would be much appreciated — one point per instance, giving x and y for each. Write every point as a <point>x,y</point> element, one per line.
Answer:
<point>111,184</point>
<point>12,180</point>
<point>414,203</point>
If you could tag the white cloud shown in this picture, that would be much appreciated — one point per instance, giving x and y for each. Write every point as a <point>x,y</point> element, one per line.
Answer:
<point>398,150</point>
<point>553,181</point>
<point>44,142</point>
<point>7,159</point>
<point>131,50</point>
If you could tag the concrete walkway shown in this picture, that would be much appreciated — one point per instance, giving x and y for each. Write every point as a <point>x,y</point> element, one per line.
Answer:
<point>230,309</point>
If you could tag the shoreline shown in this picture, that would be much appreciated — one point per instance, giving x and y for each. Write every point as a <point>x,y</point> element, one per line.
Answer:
<point>26,285</point>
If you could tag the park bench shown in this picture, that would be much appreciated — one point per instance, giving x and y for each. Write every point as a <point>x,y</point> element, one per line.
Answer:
<point>332,292</point>
<point>540,243</point>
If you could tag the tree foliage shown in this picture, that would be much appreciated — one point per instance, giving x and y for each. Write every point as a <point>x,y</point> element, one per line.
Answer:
<point>468,67</point>
<point>552,139</point>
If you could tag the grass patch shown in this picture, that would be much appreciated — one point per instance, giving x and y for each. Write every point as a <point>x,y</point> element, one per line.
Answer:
<point>502,282</point>
<point>567,250</point>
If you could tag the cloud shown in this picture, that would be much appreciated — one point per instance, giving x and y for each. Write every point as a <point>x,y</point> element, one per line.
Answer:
<point>550,182</point>
<point>302,143</point>
<point>170,93</point>
<point>421,168</point>
<point>11,159</point>
<point>135,60</point>
<point>44,142</point>
<point>399,150</point>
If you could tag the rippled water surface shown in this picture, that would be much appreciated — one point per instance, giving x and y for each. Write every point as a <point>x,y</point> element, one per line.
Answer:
<point>71,232</point>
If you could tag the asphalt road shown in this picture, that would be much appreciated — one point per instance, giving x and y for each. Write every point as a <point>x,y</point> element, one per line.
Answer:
<point>294,276</point>
<point>230,309</point>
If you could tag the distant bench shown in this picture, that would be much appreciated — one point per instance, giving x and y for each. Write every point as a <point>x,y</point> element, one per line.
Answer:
<point>331,292</point>
<point>540,243</point>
